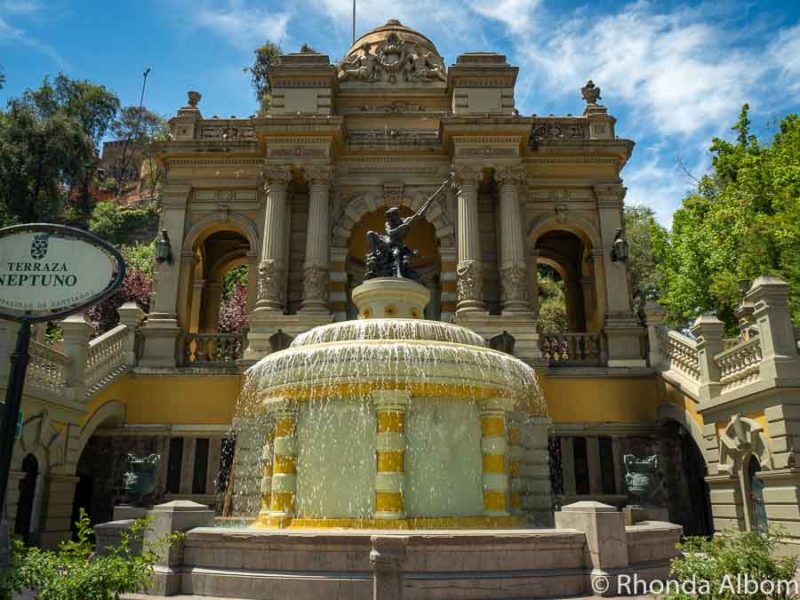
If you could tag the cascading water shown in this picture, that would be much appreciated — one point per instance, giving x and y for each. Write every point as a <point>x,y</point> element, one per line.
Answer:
<point>335,461</point>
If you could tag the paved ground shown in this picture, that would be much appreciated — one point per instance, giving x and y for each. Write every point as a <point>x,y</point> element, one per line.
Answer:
<point>145,597</point>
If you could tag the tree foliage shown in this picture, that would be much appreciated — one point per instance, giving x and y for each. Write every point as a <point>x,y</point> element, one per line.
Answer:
<point>552,301</point>
<point>75,572</point>
<point>265,56</point>
<point>645,236</point>
<point>742,221</point>
<point>118,224</point>
<point>137,129</point>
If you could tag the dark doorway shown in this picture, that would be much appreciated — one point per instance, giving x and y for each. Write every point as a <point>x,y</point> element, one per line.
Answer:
<point>701,522</point>
<point>82,500</point>
<point>758,512</point>
<point>27,498</point>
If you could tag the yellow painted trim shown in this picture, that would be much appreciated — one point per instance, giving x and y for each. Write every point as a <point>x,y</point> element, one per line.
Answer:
<point>267,470</point>
<point>391,461</point>
<point>516,500</point>
<point>514,435</point>
<point>284,465</point>
<point>282,502</point>
<point>514,469</point>
<point>285,427</point>
<point>493,500</point>
<point>482,522</point>
<point>265,500</point>
<point>389,502</point>
<point>354,389</point>
<point>494,463</point>
<point>390,421</point>
<point>493,426</point>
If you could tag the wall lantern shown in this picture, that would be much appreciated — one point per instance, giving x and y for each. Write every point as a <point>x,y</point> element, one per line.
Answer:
<point>163,248</point>
<point>619,247</point>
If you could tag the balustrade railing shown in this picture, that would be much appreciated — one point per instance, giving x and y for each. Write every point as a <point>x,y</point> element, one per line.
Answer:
<point>572,348</point>
<point>682,355</point>
<point>740,364</point>
<point>106,358</point>
<point>212,349</point>
<point>47,369</point>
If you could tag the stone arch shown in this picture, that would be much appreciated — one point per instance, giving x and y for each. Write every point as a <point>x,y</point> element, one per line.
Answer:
<point>670,412</point>
<point>360,206</point>
<point>112,410</point>
<point>220,222</point>
<point>40,438</point>
<point>576,224</point>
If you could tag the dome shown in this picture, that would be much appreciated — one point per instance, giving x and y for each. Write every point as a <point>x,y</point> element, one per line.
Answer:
<point>379,35</point>
<point>392,54</point>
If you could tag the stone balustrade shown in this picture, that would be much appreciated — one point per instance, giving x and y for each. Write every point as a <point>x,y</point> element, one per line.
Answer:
<point>739,364</point>
<point>212,349</point>
<point>106,359</point>
<point>47,370</point>
<point>579,349</point>
<point>682,355</point>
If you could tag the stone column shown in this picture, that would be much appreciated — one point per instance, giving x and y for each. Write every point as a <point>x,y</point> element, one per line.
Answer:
<point>623,333</point>
<point>654,313</point>
<point>708,330</point>
<point>272,269</point>
<point>494,449</point>
<point>161,331</point>
<point>131,316</point>
<point>537,500</point>
<point>284,469</point>
<point>197,305</point>
<point>267,458</point>
<point>210,308</point>
<point>772,314</point>
<point>513,269</point>
<point>390,408</point>
<point>56,523</point>
<point>469,269</point>
<point>316,265</point>
<point>534,281</point>
<point>76,332</point>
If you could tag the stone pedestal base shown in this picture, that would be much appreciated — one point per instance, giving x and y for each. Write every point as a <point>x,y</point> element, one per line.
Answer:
<point>391,298</point>
<point>624,337</point>
<point>126,511</point>
<point>522,326</point>
<point>161,337</point>
<point>638,514</point>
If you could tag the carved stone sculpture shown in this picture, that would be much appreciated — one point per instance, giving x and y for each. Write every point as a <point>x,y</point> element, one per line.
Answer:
<point>513,278</point>
<point>388,255</point>
<point>315,283</point>
<point>140,479</point>
<point>590,92</point>
<point>393,61</point>
<point>640,476</point>
<point>270,281</point>
<point>470,280</point>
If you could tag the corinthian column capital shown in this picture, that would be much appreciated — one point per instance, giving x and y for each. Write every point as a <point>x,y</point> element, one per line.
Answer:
<point>276,175</point>
<point>511,175</point>
<point>319,175</point>
<point>466,175</point>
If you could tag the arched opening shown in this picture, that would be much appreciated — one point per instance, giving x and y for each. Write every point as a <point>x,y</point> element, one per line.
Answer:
<point>566,259</point>
<point>688,492</point>
<point>755,496</point>
<point>25,524</point>
<point>220,266</point>
<point>421,237</point>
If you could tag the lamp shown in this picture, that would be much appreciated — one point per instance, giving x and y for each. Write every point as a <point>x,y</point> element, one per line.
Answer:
<point>163,248</point>
<point>619,247</point>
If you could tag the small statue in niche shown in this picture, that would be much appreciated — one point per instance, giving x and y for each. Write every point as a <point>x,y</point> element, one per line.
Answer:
<point>640,476</point>
<point>619,247</point>
<point>388,255</point>
<point>140,480</point>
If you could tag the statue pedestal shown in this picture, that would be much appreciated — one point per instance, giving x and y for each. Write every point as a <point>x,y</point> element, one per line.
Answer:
<point>391,298</point>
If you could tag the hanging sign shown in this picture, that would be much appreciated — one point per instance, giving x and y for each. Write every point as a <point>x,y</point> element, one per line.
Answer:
<point>50,271</point>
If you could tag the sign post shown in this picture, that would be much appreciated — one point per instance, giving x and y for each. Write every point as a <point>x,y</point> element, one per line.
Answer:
<point>47,272</point>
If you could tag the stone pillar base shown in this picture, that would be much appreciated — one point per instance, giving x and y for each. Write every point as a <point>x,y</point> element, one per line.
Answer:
<point>624,338</point>
<point>169,518</point>
<point>637,514</point>
<point>522,326</point>
<point>161,337</point>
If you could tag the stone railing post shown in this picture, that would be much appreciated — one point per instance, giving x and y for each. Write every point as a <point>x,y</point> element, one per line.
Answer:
<point>779,355</point>
<point>131,316</point>
<point>654,313</point>
<point>172,517</point>
<point>708,330</point>
<point>606,540</point>
<point>75,344</point>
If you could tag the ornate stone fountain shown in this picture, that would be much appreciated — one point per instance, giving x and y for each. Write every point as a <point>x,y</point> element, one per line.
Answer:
<point>392,421</point>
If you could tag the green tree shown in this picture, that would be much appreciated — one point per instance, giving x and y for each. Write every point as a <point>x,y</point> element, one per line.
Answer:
<point>119,224</point>
<point>742,221</point>
<point>265,56</point>
<point>552,301</point>
<point>137,128</point>
<point>645,236</point>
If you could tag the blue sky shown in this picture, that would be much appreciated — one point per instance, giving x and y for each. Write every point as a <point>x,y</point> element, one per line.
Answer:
<point>674,74</point>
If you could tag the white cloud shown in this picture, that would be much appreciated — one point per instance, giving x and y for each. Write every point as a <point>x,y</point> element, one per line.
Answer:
<point>246,27</point>
<point>518,15</point>
<point>785,54</point>
<point>12,35</point>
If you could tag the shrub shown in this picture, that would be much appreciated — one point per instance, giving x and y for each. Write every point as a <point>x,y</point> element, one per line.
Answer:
<point>727,559</point>
<point>74,572</point>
